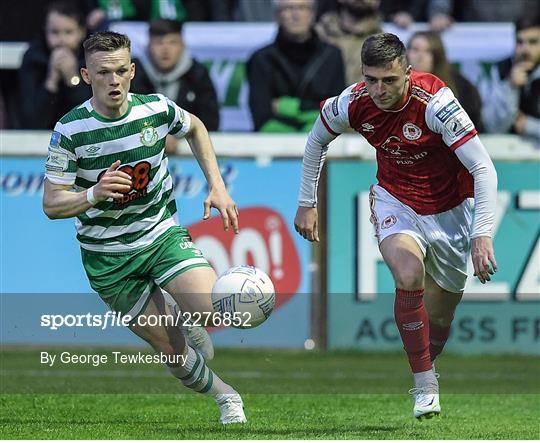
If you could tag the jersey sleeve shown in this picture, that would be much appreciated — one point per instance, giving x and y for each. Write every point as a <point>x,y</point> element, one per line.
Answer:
<point>178,119</point>
<point>445,116</point>
<point>61,164</point>
<point>335,112</point>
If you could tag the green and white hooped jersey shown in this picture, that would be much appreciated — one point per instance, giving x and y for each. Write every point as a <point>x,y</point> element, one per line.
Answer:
<point>84,144</point>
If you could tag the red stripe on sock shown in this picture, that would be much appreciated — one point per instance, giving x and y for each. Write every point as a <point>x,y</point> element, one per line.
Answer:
<point>413,325</point>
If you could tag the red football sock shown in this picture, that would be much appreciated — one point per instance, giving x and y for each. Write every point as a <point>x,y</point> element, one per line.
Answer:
<point>413,325</point>
<point>437,339</point>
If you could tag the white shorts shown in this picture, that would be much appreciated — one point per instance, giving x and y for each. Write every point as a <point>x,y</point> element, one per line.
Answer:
<point>444,238</point>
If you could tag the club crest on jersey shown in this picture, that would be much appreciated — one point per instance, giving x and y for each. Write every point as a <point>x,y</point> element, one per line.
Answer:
<point>149,135</point>
<point>388,222</point>
<point>411,131</point>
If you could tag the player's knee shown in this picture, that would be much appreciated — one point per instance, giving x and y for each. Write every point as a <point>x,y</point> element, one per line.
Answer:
<point>409,276</point>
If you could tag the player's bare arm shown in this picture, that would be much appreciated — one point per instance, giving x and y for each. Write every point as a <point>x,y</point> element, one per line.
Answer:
<point>218,197</point>
<point>60,202</point>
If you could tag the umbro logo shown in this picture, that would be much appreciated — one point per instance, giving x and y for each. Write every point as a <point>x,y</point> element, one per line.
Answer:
<point>367,127</point>
<point>92,149</point>
<point>413,326</point>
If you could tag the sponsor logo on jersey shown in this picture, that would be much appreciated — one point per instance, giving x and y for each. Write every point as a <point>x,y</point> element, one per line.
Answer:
<point>459,124</point>
<point>57,161</point>
<point>401,156</point>
<point>448,111</point>
<point>55,139</point>
<point>367,127</point>
<point>411,131</point>
<point>93,151</point>
<point>388,222</point>
<point>186,245</point>
<point>149,135</point>
<point>391,146</point>
<point>330,110</point>
<point>335,109</point>
<point>140,177</point>
<point>326,113</point>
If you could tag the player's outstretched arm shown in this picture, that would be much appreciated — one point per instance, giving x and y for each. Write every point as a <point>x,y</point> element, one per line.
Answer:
<point>218,197</point>
<point>60,202</point>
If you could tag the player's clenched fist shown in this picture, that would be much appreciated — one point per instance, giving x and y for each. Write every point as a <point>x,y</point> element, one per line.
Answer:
<point>306,223</point>
<point>112,183</point>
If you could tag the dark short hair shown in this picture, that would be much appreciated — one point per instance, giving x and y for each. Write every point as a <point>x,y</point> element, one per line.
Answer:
<point>106,41</point>
<point>162,26</point>
<point>527,21</point>
<point>382,49</point>
<point>68,9</point>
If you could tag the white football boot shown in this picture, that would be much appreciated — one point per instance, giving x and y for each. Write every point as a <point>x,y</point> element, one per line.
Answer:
<point>426,403</point>
<point>232,408</point>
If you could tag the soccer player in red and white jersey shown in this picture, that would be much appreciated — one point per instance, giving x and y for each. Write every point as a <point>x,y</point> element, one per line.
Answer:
<point>431,163</point>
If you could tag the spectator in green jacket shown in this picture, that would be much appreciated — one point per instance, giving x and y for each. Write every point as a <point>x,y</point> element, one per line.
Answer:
<point>289,77</point>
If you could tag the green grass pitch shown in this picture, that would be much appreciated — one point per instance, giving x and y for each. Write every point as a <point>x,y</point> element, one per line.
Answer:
<point>287,395</point>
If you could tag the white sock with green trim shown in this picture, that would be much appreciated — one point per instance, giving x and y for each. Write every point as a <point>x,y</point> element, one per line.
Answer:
<point>195,375</point>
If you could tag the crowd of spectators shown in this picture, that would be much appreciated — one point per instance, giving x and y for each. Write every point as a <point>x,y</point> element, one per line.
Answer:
<point>315,54</point>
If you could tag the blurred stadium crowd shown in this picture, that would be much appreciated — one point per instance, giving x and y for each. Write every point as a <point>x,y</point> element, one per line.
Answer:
<point>315,55</point>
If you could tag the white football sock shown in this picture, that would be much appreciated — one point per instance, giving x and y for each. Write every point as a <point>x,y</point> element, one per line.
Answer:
<point>427,380</point>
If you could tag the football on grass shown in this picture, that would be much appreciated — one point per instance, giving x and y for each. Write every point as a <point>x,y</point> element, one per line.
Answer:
<point>244,296</point>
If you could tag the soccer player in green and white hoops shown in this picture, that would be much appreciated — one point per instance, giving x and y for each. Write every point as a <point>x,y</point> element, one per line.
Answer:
<point>107,167</point>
